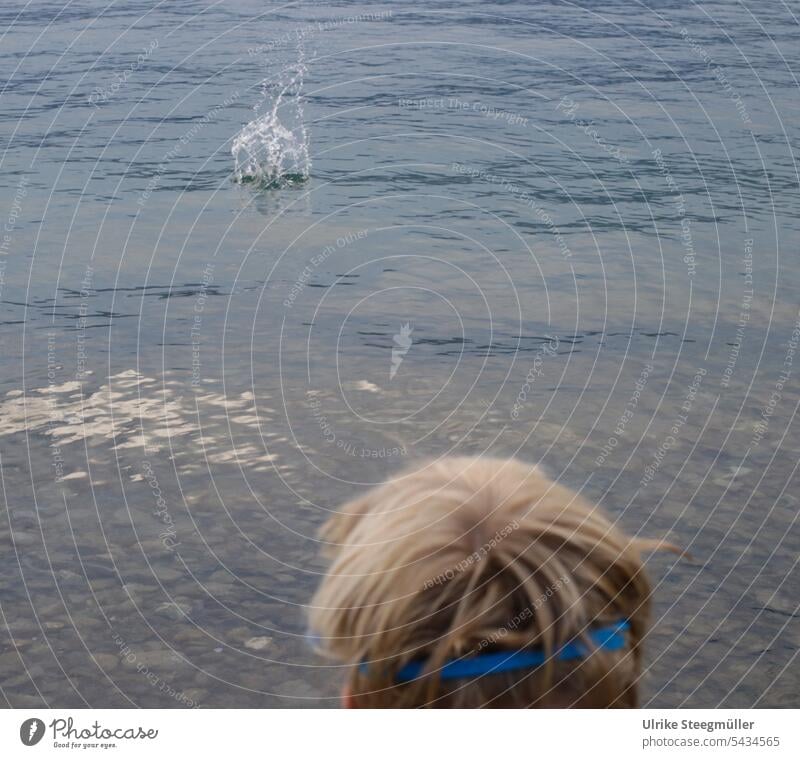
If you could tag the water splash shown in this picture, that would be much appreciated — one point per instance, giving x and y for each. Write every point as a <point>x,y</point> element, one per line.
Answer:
<point>268,152</point>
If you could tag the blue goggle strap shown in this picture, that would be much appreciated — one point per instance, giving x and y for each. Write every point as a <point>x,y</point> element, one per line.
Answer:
<point>609,638</point>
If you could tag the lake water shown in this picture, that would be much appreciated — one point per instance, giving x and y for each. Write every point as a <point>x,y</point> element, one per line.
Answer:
<point>564,231</point>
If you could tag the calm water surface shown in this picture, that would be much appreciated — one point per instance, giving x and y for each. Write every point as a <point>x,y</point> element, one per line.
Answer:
<point>565,231</point>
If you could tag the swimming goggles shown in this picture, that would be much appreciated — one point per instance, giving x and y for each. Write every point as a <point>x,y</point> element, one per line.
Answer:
<point>608,638</point>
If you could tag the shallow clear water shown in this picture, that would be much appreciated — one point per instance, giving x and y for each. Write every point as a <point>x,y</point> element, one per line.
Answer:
<point>565,231</point>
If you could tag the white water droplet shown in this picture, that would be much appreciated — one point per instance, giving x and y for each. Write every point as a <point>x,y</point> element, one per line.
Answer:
<point>272,150</point>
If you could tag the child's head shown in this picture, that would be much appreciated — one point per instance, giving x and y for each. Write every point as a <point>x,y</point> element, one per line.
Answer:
<point>465,558</point>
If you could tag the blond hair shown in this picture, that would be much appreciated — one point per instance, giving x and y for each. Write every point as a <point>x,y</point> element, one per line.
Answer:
<point>469,555</point>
